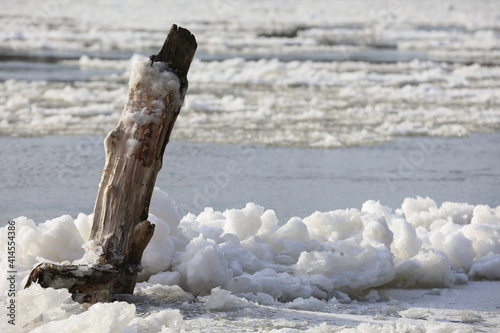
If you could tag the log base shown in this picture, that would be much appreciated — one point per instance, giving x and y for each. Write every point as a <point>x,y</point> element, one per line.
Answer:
<point>87,284</point>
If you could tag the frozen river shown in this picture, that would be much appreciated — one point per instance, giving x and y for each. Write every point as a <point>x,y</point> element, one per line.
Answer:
<point>46,177</point>
<point>349,151</point>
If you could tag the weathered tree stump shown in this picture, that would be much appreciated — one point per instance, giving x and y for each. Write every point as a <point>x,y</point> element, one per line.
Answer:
<point>134,154</point>
<point>87,284</point>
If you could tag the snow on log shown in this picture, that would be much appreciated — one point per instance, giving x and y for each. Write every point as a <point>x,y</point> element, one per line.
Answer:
<point>134,154</point>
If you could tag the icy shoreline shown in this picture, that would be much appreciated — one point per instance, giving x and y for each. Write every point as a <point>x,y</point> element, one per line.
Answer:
<point>245,257</point>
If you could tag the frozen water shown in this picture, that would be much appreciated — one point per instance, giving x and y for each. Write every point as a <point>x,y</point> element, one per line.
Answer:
<point>280,73</point>
<point>291,181</point>
<point>325,104</point>
<point>244,259</point>
<point>264,73</point>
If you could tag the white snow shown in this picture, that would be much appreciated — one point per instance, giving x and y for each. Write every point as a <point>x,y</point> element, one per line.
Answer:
<point>245,258</point>
<point>149,84</point>
<point>132,145</point>
<point>153,77</point>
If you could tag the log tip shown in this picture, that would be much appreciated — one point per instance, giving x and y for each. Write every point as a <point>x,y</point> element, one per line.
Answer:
<point>185,35</point>
<point>178,50</point>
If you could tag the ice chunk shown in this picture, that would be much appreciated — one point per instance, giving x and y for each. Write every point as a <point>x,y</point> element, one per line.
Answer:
<point>269,223</point>
<point>84,224</point>
<point>309,304</point>
<point>486,267</point>
<point>158,253</point>
<point>414,313</point>
<point>339,224</point>
<point>459,250</point>
<point>47,300</point>
<point>92,254</point>
<point>461,213</point>
<point>413,206</point>
<point>406,243</point>
<point>163,292</point>
<point>166,278</point>
<point>419,211</point>
<point>202,266</point>
<point>55,240</point>
<point>246,259</point>
<point>428,269</point>
<point>376,232</point>
<point>243,284</point>
<point>245,222</point>
<point>164,208</point>
<point>294,229</point>
<point>156,321</point>
<point>221,299</point>
<point>268,281</point>
<point>483,214</point>
<point>371,267</point>
<point>484,238</point>
<point>101,317</point>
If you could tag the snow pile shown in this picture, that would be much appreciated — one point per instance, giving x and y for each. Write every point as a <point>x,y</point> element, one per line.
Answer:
<point>247,252</point>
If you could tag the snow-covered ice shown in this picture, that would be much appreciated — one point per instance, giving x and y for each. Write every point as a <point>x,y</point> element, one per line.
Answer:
<point>349,267</point>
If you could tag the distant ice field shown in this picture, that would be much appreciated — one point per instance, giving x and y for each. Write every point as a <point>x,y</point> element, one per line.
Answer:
<point>273,73</point>
<point>269,102</point>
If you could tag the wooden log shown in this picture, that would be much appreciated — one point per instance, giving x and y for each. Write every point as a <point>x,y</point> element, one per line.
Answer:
<point>88,284</point>
<point>134,154</point>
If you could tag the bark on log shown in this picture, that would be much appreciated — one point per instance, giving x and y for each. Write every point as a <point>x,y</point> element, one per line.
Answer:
<point>87,284</point>
<point>134,154</point>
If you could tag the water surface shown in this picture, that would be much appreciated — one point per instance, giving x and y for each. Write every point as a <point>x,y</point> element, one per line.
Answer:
<point>46,177</point>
